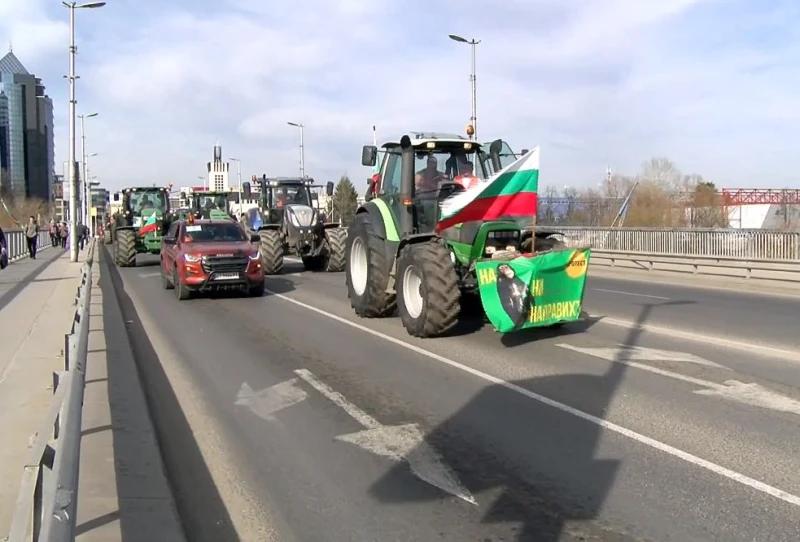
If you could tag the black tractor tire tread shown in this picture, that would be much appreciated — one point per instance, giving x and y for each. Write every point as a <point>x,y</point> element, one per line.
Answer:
<point>337,241</point>
<point>376,302</point>
<point>125,253</point>
<point>271,251</point>
<point>442,294</point>
<point>107,239</point>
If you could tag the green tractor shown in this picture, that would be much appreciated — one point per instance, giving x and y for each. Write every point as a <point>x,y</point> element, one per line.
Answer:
<point>401,255</point>
<point>288,223</point>
<point>138,227</point>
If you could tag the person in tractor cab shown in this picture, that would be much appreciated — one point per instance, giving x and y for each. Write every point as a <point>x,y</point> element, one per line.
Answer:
<point>467,178</point>
<point>280,197</point>
<point>146,203</point>
<point>428,179</point>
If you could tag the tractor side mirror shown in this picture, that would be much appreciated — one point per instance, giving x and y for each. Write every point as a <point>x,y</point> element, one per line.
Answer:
<point>246,192</point>
<point>369,155</point>
<point>525,151</point>
<point>329,189</point>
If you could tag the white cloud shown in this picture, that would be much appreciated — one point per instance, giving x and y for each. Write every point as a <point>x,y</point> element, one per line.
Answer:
<point>710,83</point>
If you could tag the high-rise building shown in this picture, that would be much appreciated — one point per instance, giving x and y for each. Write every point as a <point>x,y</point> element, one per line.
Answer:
<point>218,171</point>
<point>27,145</point>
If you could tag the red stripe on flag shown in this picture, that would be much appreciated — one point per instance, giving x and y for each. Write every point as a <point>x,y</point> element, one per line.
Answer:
<point>514,205</point>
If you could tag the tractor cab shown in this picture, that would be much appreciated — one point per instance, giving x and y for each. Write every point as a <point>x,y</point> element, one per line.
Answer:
<point>138,204</point>
<point>212,205</point>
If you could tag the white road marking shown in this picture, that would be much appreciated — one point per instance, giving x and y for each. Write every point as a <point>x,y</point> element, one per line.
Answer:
<point>629,293</point>
<point>642,439</point>
<point>399,442</point>
<point>751,394</point>
<point>149,275</point>
<point>267,402</point>
<point>763,349</point>
<point>624,353</point>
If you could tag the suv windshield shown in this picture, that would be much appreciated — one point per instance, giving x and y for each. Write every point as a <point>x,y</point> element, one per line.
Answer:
<point>214,233</point>
<point>142,201</point>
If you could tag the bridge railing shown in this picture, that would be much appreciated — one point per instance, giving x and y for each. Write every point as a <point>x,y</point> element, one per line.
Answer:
<point>17,245</point>
<point>745,245</point>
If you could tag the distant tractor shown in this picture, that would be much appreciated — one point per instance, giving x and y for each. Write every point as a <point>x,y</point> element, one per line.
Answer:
<point>288,223</point>
<point>139,225</point>
<point>212,205</point>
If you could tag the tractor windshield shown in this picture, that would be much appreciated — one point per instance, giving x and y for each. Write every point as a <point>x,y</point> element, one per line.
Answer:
<point>147,201</point>
<point>296,194</point>
<point>437,165</point>
<point>208,202</point>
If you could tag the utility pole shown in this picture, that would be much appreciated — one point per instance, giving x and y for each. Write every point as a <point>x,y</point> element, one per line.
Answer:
<point>473,78</point>
<point>73,177</point>
<point>239,179</point>
<point>84,173</point>
<point>302,147</point>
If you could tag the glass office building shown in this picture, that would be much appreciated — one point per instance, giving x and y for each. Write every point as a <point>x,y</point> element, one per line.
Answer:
<point>27,145</point>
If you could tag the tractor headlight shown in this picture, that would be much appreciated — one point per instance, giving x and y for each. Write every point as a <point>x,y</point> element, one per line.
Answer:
<point>453,256</point>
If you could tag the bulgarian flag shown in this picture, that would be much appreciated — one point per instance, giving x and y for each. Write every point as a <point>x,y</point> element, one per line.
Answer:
<point>510,193</point>
<point>149,226</point>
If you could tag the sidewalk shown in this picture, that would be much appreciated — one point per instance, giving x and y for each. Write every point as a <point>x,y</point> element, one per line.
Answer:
<point>123,493</point>
<point>36,311</point>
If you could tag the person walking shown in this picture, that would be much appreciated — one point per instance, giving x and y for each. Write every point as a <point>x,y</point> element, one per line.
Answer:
<point>63,233</point>
<point>32,235</point>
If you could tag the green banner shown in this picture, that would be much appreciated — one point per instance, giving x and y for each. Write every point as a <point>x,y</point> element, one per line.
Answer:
<point>533,291</point>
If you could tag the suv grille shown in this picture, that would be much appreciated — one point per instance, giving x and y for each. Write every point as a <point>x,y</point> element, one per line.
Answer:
<point>224,264</point>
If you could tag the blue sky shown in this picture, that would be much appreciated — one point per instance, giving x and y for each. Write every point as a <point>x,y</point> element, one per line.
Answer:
<point>712,84</point>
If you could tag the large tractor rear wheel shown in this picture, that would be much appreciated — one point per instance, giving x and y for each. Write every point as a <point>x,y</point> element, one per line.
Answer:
<point>271,251</point>
<point>125,248</point>
<point>367,271</point>
<point>337,241</point>
<point>428,296</point>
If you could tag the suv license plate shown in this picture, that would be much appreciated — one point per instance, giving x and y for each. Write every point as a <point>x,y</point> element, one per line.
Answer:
<point>226,276</point>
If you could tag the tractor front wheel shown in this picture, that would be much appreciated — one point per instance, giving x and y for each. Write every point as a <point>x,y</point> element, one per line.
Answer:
<point>337,241</point>
<point>428,296</point>
<point>271,251</point>
<point>107,239</point>
<point>367,271</point>
<point>125,248</point>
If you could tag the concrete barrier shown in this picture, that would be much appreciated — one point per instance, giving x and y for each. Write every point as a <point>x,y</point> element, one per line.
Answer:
<point>709,266</point>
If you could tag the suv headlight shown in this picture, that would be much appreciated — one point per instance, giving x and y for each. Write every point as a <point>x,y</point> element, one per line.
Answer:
<point>191,258</point>
<point>255,257</point>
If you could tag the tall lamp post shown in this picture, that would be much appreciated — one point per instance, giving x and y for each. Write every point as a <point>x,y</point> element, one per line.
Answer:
<point>302,148</point>
<point>239,179</point>
<point>205,182</point>
<point>84,178</point>
<point>73,179</point>
<point>87,190</point>
<point>473,79</point>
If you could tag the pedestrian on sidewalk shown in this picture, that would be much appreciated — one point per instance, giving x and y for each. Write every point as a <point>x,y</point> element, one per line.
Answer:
<point>32,235</point>
<point>81,231</point>
<point>63,233</point>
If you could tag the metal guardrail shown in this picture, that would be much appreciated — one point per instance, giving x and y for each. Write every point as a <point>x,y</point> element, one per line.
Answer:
<point>47,501</point>
<point>744,245</point>
<point>762,271</point>
<point>17,245</point>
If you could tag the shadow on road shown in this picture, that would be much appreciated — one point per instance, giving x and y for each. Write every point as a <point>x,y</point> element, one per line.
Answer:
<point>528,463</point>
<point>199,504</point>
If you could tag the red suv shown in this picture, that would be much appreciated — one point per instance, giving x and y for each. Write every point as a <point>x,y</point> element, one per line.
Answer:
<point>204,255</point>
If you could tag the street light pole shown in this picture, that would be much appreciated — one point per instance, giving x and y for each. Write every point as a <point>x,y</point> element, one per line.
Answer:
<point>84,178</point>
<point>302,147</point>
<point>73,179</point>
<point>473,78</point>
<point>239,179</point>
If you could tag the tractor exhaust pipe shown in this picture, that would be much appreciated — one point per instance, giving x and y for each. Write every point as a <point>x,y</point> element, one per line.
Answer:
<point>494,154</point>
<point>407,185</point>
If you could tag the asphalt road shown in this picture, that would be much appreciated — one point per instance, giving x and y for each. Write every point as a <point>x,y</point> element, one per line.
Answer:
<point>541,436</point>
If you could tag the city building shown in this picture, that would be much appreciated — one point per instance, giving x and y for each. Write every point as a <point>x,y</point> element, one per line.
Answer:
<point>60,203</point>
<point>218,172</point>
<point>27,145</point>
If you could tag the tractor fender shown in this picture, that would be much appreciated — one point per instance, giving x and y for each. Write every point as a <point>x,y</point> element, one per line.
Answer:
<point>331,225</point>
<point>375,218</point>
<point>118,228</point>
<point>269,227</point>
<point>413,239</point>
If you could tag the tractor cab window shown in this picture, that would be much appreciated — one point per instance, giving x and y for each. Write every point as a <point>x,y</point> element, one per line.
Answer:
<point>207,203</point>
<point>390,181</point>
<point>439,165</point>
<point>281,196</point>
<point>141,202</point>
<point>507,157</point>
